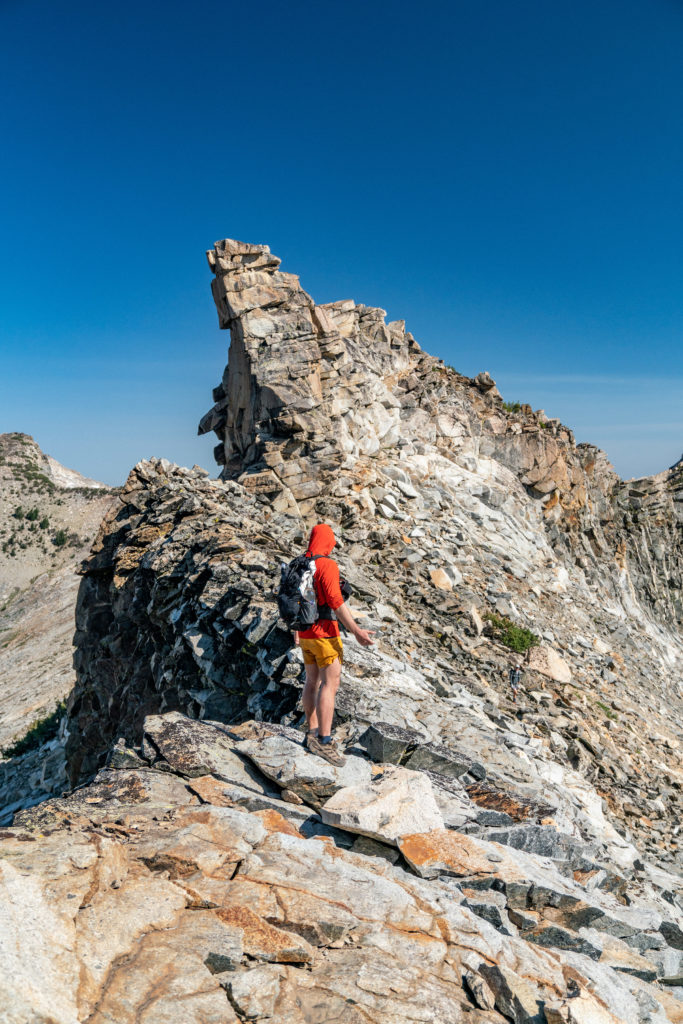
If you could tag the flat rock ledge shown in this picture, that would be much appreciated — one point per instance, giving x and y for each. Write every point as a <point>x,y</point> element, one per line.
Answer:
<point>194,882</point>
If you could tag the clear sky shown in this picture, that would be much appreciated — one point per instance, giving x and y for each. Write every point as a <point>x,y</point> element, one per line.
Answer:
<point>507,177</point>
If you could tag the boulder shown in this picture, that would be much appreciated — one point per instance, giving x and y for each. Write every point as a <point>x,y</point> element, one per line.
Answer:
<point>193,749</point>
<point>386,743</point>
<point>224,794</point>
<point>444,761</point>
<point>545,841</point>
<point>548,662</point>
<point>514,997</point>
<point>441,579</point>
<point>289,765</point>
<point>254,993</point>
<point>394,803</point>
<point>476,620</point>
<point>556,937</point>
<point>452,853</point>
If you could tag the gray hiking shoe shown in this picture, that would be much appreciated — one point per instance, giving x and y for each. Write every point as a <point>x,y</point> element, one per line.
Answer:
<point>328,751</point>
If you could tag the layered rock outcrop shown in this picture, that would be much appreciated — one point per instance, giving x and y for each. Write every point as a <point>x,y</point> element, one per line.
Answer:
<point>442,525</point>
<point>477,858</point>
<point>313,395</point>
<point>177,611</point>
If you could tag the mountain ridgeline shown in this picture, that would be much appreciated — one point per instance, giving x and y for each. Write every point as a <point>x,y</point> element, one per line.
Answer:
<point>450,510</point>
<point>314,398</point>
<point>477,858</point>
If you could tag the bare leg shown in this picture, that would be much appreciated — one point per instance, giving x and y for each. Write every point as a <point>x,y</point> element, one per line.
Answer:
<point>331,677</point>
<point>309,698</point>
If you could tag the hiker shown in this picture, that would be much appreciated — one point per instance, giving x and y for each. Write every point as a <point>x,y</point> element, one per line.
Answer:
<point>515,678</point>
<point>322,646</point>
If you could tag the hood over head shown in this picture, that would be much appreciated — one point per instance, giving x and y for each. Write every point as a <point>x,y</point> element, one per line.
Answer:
<point>322,540</point>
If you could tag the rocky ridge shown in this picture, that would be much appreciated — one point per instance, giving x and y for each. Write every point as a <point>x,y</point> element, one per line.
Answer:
<point>49,516</point>
<point>476,857</point>
<point>317,400</point>
<point>40,500</point>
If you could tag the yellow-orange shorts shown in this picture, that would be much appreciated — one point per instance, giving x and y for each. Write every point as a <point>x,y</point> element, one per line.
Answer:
<point>322,652</point>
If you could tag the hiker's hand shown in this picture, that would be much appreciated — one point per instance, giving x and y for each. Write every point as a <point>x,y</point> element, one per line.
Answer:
<point>364,637</point>
<point>296,638</point>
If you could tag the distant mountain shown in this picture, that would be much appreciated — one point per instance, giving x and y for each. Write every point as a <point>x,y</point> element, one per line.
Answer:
<point>49,516</point>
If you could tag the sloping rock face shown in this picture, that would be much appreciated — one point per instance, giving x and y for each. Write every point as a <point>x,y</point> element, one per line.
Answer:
<point>313,396</point>
<point>214,869</point>
<point>49,516</point>
<point>182,886</point>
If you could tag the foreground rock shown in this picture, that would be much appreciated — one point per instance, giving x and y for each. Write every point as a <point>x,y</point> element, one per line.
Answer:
<point>395,803</point>
<point>294,769</point>
<point>138,900</point>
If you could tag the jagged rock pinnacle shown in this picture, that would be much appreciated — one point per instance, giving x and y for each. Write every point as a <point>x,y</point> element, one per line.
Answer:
<point>483,858</point>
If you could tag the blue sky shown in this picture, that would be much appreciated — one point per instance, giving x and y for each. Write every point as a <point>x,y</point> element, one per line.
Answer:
<point>506,177</point>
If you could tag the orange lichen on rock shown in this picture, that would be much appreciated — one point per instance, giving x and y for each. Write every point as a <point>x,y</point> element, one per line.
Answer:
<point>211,790</point>
<point>447,852</point>
<point>273,821</point>
<point>263,940</point>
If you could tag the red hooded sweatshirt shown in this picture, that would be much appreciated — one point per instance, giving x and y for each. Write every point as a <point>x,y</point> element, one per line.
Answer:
<point>325,581</point>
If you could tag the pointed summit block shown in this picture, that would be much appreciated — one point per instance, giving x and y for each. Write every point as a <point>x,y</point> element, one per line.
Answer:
<point>298,374</point>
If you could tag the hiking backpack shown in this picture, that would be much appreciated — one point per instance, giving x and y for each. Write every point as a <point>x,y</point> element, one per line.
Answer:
<point>296,598</point>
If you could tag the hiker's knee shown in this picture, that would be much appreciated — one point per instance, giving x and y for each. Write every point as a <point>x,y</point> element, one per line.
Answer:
<point>312,682</point>
<point>331,675</point>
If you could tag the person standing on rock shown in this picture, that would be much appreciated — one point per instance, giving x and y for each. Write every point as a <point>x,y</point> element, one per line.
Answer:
<point>322,647</point>
<point>515,678</point>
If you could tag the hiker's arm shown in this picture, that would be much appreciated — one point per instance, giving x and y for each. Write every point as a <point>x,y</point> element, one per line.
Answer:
<point>363,636</point>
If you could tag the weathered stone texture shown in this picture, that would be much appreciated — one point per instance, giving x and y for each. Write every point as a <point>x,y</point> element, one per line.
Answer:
<point>309,391</point>
<point>177,606</point>
<point>476,858</point>
<point>150,896</point>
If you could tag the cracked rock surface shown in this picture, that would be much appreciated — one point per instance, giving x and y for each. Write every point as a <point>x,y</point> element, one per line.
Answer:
<point>150,895</point>
<point>476,858</point>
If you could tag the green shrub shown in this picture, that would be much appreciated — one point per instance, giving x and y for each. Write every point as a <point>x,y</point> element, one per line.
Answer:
<point>32,515</point>
<point>512,406</point>
<point>44,523</point>
<point>42,730</point>
<point>18,512</point>
<point>60,538</point>
<point>507,633</point>
<point>607,711</point>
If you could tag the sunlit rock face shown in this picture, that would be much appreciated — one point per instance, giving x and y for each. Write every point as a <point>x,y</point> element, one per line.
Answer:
<point>194,881</point>
<point>325,400</point>
<point>450,508</point>
<point>476,858</point>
